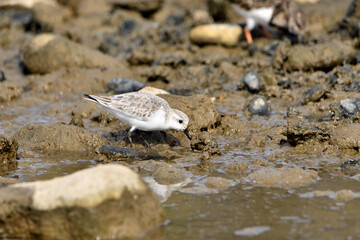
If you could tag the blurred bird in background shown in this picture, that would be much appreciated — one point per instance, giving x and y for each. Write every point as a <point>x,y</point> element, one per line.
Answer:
<point>284,15</point>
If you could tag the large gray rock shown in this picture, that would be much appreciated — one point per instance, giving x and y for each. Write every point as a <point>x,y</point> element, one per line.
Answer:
<point>107,202</point>
<point>58,137</point>
<point>47,52</point>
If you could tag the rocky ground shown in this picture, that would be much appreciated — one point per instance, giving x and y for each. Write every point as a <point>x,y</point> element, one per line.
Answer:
<point>273,114</point>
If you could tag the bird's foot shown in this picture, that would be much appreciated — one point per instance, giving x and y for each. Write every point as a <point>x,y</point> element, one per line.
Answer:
<point>146,142</point>
<point>248,36</point>
<point>266,32</point>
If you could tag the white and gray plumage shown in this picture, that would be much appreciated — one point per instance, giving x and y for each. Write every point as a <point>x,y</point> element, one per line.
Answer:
<point>144,111</point>
<point>281,14</point>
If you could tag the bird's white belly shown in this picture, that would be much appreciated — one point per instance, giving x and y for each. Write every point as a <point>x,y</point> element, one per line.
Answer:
<point>254,17</point>
<point>262,16</point>
<point>153,123</point>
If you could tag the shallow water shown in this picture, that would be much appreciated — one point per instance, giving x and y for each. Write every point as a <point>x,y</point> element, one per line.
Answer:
<point>220,215</point>
<point>288,215</point>
<point>46,167</point>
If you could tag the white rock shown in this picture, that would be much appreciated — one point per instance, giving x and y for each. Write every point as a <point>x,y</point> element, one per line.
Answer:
<point>85,188</point>
<point>105,202</point>
<point>226,34</point>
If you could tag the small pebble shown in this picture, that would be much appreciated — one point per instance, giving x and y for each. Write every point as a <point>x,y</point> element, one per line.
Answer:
<point>315,94</point>
<point>251,231</point>
<point>252,82</point>
<point>259,106</point>
<point>349,105</point>
<point>2,76</point>
<point>284,83</point>
<point>124,85</point>
<point>252,49</point>
<point>270,48</point>
<point>175,20</point>
<point>127,27</point>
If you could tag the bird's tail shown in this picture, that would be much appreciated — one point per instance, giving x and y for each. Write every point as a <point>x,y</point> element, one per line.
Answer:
<point>102,100</point>
<point>240,11</point>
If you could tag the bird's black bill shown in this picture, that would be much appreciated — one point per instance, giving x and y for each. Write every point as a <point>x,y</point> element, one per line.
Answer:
<point>186,131</point>
<point>88,97</point>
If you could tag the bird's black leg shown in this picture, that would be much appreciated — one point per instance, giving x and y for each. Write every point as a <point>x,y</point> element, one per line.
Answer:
<point>146,142</point>
<point>164,134</point>
<point>129,135</point>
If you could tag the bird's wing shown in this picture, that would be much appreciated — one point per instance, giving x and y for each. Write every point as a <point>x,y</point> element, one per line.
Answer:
<point>288,17</point>
<point>136,105</point>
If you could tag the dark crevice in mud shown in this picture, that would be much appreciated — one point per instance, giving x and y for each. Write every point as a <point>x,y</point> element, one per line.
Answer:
<point>158,78</point>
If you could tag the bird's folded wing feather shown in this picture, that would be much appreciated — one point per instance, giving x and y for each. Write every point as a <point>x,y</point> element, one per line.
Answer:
<point>140,107</point>
<point>287,16</point>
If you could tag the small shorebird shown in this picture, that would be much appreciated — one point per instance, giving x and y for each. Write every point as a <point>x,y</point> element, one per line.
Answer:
<point>143,111</point>
<point>281,14</point>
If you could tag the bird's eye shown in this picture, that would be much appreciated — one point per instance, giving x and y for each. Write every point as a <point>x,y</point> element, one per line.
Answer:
<point>180,121</point>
